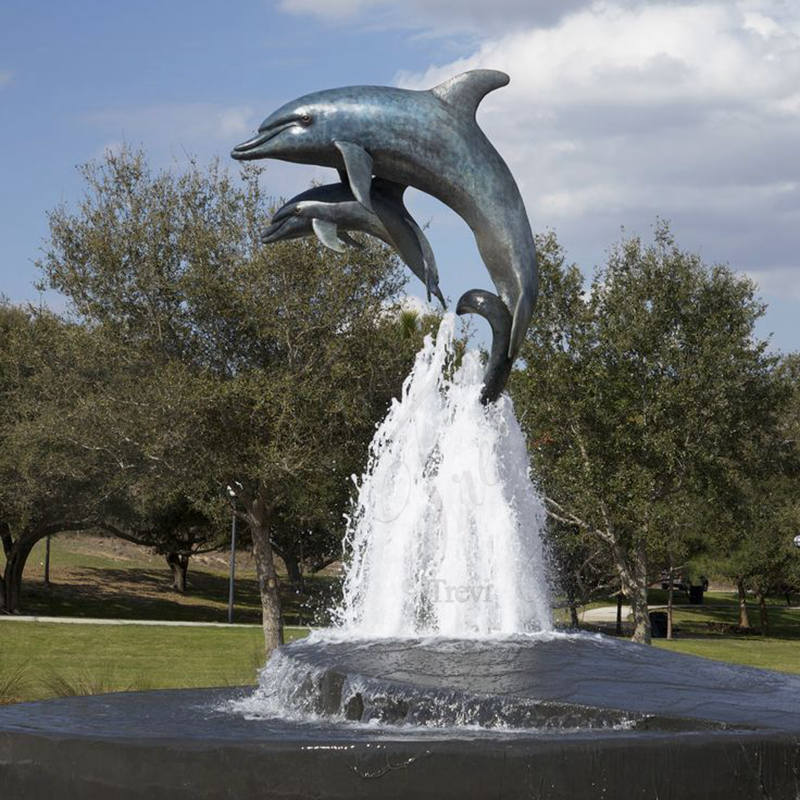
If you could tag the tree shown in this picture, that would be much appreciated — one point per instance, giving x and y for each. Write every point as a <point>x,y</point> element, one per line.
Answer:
<point>637,396</point>
<point>764,516</point>
<point>65,463</point>
<point>267,365</point>
<point>43,491</point>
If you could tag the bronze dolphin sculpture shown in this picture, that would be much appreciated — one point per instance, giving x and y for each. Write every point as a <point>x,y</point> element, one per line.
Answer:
<point>330,211</point>
<point>426,139</point>
<point>494,311</point>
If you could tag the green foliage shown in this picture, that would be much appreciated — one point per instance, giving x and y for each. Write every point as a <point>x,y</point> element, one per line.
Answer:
<point>221,362</point>
<point>640,396</point>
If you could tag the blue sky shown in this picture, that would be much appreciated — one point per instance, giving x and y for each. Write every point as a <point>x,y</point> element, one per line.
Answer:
<point>618,112</point>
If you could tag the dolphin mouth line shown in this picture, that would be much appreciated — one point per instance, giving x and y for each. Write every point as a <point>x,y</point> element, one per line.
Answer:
<point>272,232</point>
<point>247,149</point>
<point>282,214</point>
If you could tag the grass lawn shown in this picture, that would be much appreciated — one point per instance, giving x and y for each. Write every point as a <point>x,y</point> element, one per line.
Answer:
<point>753,651</point>
<point>39,659</point>
<point>102,577</point>
<point>93,576</point>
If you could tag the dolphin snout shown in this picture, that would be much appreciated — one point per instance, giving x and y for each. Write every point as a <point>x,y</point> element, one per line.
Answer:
<point>271,233</point>
<point>288,227</point>
<point>283,212</point>
<point>245,150</point>
<point>254,148</point>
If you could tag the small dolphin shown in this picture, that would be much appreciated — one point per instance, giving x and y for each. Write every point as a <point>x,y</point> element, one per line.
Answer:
<point>492,309</point>
<point>426,139</point>
<point>328,211</point>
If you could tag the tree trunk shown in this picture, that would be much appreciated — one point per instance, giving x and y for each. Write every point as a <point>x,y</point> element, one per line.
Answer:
<point>17,552</point>
<point>294,571</point>
<point>633,578</point>
<point>618,626</point>
<point>762,608</point>
<point>271,620</point>
<point>15,566</point>
<point>670,593</point>
<point>744,619</point>
<point>179,565</point>
<point>641,615</point>
<point>47,562</point>
<point>573,614</point>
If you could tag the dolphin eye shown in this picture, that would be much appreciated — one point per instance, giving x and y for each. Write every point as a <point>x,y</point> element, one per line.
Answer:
<point>305,119</point>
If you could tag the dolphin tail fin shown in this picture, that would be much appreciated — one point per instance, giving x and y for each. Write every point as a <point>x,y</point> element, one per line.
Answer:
<point>464,92</point>
<point>413,247</point>
<point>429,263</point>
<point>430,270</point>
<point>522,318</point>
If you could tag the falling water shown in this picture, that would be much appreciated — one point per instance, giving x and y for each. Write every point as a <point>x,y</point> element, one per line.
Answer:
<point>445,535</point>
<point>444,541</point>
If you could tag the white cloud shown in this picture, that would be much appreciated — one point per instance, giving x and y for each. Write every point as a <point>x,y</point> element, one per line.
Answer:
<point>620,113</point>
<point>778,282</point>
<point>440,16</point>
<point>480,17</point>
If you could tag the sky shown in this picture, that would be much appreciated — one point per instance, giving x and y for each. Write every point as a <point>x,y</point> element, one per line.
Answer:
<point>617,114</point>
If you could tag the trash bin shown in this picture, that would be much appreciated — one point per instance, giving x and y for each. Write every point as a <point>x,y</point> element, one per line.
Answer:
<point>658,624</point>
<point>696,595</point>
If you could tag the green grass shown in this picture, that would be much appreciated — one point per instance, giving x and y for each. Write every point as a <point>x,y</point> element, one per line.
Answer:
<point>720,620</point>
<point>40,660</point>
<point>101,577</point>
<point>778,654</point>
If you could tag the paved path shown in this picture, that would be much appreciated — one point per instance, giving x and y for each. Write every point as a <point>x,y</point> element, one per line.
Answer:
<point>603,614</point>
<point>170,623</point>
<point>609,613</point>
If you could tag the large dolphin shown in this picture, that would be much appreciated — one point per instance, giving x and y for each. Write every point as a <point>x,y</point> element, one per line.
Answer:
<point>426,139</point>
<point>492,309</point>
<point>331,210</point>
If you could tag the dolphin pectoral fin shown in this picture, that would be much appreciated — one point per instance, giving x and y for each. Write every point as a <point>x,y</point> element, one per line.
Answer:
<point>348,239</point>
<point>522,318</point>
<point>358,165</point>
<point>327,234</point>
<point>437,292</point>
<point>464,92</point>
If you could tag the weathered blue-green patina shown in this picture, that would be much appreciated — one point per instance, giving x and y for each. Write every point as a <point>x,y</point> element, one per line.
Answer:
<point>426,139</point>
<point>330,211</point>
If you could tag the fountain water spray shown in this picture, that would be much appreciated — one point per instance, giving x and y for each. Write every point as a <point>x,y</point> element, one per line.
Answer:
<point>445,536</point>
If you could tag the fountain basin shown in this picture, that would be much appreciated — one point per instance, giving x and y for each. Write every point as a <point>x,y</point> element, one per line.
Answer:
<point>592,717</point>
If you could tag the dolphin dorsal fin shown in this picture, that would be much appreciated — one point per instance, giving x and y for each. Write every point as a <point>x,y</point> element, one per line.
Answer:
<point>465,91</point>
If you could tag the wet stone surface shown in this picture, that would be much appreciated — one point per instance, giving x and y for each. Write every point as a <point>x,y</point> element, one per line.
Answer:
<point>620,721</point>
